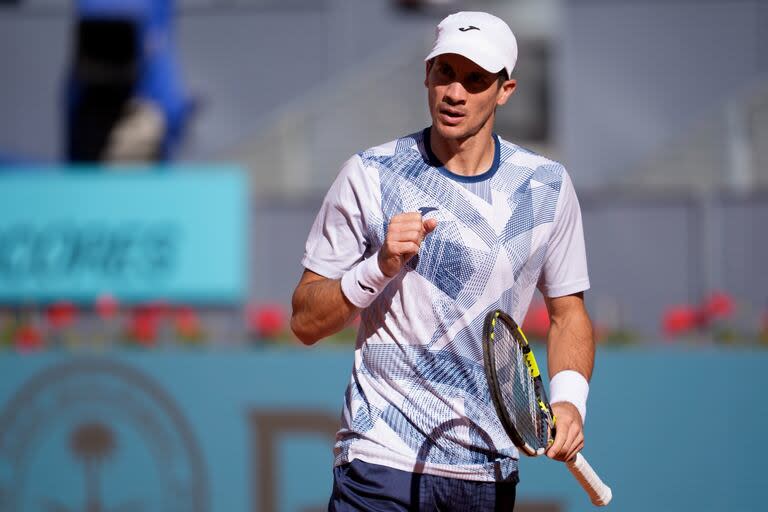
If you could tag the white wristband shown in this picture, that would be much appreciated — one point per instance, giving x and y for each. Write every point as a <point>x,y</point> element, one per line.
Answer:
<point>364,282</point>
<point>570,386</point>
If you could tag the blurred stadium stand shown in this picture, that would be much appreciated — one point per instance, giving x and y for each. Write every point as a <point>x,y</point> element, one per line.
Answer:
<point>657,121</point>
<point>647,126</point>
<point>723,151</point>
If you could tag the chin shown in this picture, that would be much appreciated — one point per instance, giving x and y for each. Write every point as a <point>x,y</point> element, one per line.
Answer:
<point>457,132</point>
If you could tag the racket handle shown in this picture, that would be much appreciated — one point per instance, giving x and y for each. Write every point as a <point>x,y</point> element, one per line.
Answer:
<point>599,493</point>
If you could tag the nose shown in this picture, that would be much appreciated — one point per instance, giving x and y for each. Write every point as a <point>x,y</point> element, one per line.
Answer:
<point>455,93</point>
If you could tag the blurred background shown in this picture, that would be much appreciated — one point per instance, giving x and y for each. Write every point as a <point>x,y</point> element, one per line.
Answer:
<point>161,162</point>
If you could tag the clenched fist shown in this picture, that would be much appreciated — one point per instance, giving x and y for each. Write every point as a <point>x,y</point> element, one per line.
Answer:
<point>405,233</point>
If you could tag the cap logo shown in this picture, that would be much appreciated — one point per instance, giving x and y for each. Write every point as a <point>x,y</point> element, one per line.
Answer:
<point>467,29</point>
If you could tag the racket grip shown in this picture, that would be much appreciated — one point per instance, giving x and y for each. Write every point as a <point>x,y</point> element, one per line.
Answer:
<point>599,493</point>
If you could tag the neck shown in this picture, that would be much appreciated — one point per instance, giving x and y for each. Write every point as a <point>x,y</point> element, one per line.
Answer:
<point>468,157</point>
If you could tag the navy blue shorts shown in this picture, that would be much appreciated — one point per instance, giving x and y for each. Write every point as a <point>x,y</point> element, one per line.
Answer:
<point>360,486</point>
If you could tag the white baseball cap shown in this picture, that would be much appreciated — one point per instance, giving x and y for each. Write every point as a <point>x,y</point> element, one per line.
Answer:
<point>481,37</point>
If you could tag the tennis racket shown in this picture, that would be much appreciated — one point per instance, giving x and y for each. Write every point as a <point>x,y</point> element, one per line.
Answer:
<point>520,401</point>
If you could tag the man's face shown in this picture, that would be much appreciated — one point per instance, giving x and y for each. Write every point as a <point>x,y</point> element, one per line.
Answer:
<point>463,96</point>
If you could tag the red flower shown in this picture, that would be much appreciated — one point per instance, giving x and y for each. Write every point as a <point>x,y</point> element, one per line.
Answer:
<point>536,323</point>
<point>107,306</point>
<point>187,322</point>
<point>266,320</point>
<point>717,306</point>
<point>143,327</point>
<point>157,309</point>
<point>679,319</point>
<point>61,314</point>
<point>28,338</point>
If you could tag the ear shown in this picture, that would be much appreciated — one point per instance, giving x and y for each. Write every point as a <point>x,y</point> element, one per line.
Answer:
<point>505,91</point>
<point>426,74</point>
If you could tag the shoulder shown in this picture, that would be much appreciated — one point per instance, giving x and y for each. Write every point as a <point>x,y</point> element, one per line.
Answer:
<point>512,153</point>
<point>393,148</point>
<point>544,170</point>
<point>362,171</point>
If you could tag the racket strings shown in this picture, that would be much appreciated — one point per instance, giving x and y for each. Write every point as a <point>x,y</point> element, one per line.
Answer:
<point>518,388</point>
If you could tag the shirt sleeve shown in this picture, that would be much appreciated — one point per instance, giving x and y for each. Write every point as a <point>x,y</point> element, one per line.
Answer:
<point>338,239</point>
<point>565,265</point>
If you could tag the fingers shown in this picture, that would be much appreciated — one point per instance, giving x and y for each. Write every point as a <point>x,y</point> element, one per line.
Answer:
<point>568,442</point>
<point>572,444</point>
<point>569,439</point>
<point>406,223</point>
<point>429,225</point>
<point>405,233</point>
<point>406,249</point>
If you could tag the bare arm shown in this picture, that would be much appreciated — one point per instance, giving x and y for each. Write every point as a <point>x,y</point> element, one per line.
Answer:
<point>570,346</point>
<point>319,308</point>
<point>570,342</point>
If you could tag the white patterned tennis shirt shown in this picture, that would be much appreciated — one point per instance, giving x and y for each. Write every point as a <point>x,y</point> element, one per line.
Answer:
<point>418,399</point>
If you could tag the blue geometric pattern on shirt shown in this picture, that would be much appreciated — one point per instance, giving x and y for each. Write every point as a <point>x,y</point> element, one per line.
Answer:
<point>530,273</point>
<point>468,341</point>
<point>481,189</point>
<point>390,361</point>
<point>433,378</point>
<point>376,230</point>
<point>407,178</point>
<point>364,416</point>
<point>550,174</point>
<point>507,150</point>
<point>445,261</point>
<point>510,177</point>
<point>454,371</point>
<point>406,143</point>
<point>443,444</point>
<point>484,266</point>
<point>436,446</point>
<point>445,367</point>
<point>408,182</point>
<point>531,207</point>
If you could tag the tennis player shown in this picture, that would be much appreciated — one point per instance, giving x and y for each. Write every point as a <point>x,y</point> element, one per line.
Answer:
<point>422,236</point>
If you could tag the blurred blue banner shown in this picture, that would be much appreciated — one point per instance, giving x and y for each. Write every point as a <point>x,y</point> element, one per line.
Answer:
<point>138,235</point>
<point>169,431</point>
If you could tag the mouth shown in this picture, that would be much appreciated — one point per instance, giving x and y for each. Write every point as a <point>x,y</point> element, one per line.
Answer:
<point>450,116</point>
